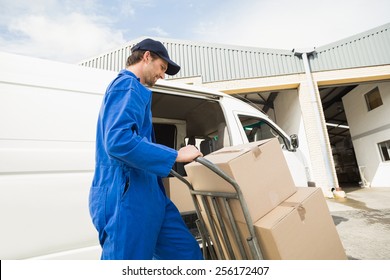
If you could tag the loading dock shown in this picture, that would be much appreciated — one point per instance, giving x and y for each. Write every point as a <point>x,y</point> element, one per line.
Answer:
<point>310,82</point>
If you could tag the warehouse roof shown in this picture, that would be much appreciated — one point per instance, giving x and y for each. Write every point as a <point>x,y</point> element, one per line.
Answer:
<point>369,48</point>
<point>217,62</point>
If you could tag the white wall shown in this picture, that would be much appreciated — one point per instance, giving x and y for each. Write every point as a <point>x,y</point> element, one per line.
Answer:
<point>368,128</point>
<point>288,116</point>
<point>288,111</point>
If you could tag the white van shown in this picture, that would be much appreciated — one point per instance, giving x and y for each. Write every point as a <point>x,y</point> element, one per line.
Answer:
<point>48,114</point>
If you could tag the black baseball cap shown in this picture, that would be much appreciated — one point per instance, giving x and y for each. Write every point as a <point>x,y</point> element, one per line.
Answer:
<point>159,49</point>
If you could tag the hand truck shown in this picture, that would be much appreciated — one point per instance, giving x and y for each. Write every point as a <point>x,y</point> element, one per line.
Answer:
<point>221,237</point>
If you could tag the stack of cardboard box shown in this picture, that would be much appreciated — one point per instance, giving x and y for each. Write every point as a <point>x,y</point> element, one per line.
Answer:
<point>290,222</point>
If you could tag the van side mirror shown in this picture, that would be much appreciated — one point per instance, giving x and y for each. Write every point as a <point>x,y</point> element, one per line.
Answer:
<point>294,141</point>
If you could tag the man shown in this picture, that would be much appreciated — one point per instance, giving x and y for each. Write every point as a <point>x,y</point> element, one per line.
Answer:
<point>128,205</point>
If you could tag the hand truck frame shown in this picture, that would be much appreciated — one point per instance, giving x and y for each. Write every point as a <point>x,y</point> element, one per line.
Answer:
<point>217,243</point>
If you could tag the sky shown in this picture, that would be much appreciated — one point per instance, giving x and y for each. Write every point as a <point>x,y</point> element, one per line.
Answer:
<point>74,30</point>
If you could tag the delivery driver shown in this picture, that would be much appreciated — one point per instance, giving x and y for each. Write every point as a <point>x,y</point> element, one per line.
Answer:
<point>128,205</point>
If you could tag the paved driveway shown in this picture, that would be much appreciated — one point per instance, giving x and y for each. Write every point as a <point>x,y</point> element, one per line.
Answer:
<point>362,220</point>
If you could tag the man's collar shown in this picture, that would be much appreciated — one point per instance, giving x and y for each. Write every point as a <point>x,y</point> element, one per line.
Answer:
<point>129,73</point>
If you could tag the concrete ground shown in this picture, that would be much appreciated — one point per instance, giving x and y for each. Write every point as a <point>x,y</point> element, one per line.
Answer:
<point>362,220</point>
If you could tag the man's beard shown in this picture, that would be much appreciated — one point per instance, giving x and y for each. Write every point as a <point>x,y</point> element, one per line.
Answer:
<point>150,81</point>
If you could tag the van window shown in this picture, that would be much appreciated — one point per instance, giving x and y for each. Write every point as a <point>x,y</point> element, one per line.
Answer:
<point>257,129</point>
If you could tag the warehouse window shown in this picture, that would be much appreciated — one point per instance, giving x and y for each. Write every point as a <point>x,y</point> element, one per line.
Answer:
<point>373,99</point>
<point>384,150</point>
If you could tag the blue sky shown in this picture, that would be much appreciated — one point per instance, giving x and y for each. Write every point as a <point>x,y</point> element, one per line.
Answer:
<point>72,30</point>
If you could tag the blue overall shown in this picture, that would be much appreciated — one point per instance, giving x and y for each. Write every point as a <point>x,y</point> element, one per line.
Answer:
<point>127,201</point>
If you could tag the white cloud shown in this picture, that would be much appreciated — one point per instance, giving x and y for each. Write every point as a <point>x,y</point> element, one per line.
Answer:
<point>288,24</point>
<point>159,31</point>
<point>69,38</point>
<point>71,30</point>
<point>127,8</point>
<point>62,30</point>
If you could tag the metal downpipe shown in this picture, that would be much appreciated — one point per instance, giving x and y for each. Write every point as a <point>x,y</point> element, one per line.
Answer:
<point>319,123</point>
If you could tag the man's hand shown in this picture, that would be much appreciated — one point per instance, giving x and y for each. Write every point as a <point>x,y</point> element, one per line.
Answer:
<point>188,154</point>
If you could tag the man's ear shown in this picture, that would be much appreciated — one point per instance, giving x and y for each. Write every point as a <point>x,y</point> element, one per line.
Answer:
<point>146,56</point>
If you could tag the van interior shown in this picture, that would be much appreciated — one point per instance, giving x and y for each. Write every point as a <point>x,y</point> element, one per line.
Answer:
<point>179,120</point>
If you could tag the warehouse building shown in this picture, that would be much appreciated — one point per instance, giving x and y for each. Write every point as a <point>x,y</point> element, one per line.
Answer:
<point>335,97</point>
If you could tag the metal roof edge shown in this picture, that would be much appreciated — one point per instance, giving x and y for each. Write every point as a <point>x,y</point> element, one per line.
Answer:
<point>353,38</point>
<point>226,46</point>
<point>220,45</point>
<point>194,43</point>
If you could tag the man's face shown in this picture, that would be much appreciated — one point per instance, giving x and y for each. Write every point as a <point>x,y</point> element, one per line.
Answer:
<point>154,69</point>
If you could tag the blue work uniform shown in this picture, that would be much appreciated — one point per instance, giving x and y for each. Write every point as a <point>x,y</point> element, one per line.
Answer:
<point>127,201</point>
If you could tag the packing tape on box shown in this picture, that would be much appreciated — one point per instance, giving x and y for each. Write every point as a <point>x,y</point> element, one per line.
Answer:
<point>227,152</point>
<point>256,151</point>
<point>296,205</point>
<point>231,151</point>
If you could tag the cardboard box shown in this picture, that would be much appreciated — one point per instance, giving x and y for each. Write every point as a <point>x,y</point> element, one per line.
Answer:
<point>179,193</point>
<point>260,170</point>
<point>300,228</point>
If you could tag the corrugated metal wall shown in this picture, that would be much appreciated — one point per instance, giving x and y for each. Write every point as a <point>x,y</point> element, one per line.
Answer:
<point>365,49</point>
<point>220,63</point>
<point>215,62</point>
<point>114,60</point>
<point>211,62</point>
